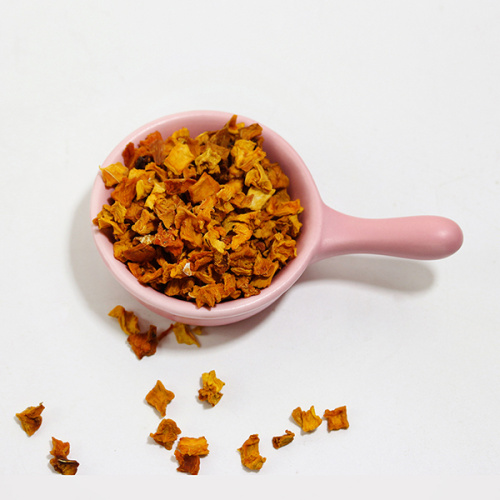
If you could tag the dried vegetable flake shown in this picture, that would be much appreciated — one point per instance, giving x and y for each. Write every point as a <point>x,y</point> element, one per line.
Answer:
<point>128,321</point>
<point>159,397</point>
<point>306,420</point>
<point>188,453</point>
<point>205,219</point>
<point>212,386</point>
<point>250,456</point>
<point>193,446</point>
<point>60,461</point>
<point>145,344</point>
<point>31,418</point>
<point>280,441</point>
<point>189,464</point>
<point>167,433</point>
<point>141,343</point>
<point>185,334</point>
<point>336,419</point>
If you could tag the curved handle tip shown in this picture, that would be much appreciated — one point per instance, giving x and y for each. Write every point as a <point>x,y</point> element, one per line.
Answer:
<point>423,237</point>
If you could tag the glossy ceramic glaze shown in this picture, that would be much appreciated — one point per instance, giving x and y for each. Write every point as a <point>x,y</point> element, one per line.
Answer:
<point>325,232</point>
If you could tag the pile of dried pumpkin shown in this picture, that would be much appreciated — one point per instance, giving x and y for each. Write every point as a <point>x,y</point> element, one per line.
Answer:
<point>189,450</point>
<point>205,219</point>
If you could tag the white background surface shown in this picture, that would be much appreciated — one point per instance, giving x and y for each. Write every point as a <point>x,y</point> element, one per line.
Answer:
<point>395,108</point>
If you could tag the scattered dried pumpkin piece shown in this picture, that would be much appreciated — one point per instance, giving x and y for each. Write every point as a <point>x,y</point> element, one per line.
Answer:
<point>128,321</point>
<point>60,461</point>
<point>188,463</point>
<point>193,446</point>
<point>159,397</point>
<point>31,418</point>
<point>212,386</point>
<point>306,420</point>
<point>166,434</point>
<point>280,441</point>
<point>185,334</point>
<point>141,343</point>
<point>336,419</point>
<point>250,456</point>
<point>145,344</point>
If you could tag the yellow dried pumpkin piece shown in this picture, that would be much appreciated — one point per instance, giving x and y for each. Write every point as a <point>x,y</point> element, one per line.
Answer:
<point>308,421</point>
<point>212,386</point>
<point>128,321</point>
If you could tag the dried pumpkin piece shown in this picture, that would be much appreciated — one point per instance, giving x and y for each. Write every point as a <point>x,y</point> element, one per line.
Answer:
<point>206,186</point>
<point>258,197</point>
<point>145,274</point>
<point>31,418</point>
<point>166,434</point>
<point>146,223</point>
<point>112,216</point>
<point>246,154</point>
<point>145,344</point>
<point>336,419</point>
<point>208,161</point>
<point>250,456</point>
<point>208,295</point>
<point>60,461</point>
<point>179,158</point>
<point>128,321</point>
<point>141,343</point>
<point>308,421</point>
<point>280,441</point>
<point>125,192</point>
<point>193,446</point>
<point>185,334</point>
<point>159,397</point>
<point>113,174</point>
<point>212,386</point>
<point>189,464</point>
<point>141,253</point>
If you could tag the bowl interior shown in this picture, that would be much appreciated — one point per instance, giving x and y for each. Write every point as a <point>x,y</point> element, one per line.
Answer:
<point>302,186</point>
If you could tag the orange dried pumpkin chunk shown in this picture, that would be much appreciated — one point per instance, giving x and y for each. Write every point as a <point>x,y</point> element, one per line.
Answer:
<point>128,321</point>
<point>188,453</point>
<point>336,419</point>
<point>31,418</point>
<point>283,440</point>
<point>60,461</point>
<point>166,434</point>
<point>190,464</point>
<point>193,446</point>
<point>159,397</point>
<point>141,343</point>
<point>250,455</point>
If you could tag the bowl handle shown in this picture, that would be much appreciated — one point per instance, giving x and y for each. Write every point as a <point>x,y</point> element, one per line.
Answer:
<point>424,237</point>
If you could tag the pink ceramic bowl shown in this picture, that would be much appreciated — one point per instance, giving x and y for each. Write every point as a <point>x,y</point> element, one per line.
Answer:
<point>325,232</point>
